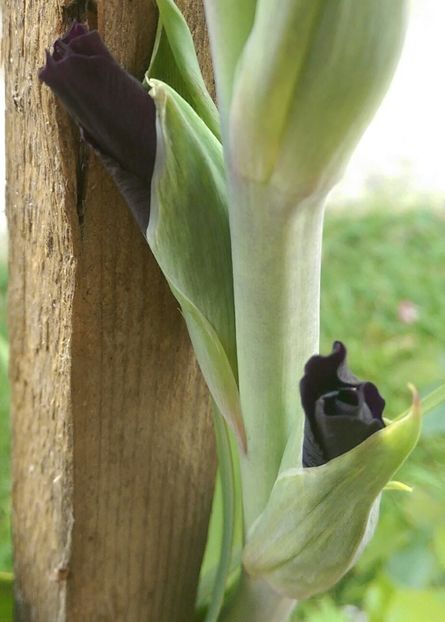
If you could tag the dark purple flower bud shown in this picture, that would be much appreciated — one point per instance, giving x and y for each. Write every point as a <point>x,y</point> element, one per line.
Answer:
<point>115,113</point>
<point>341,411</point>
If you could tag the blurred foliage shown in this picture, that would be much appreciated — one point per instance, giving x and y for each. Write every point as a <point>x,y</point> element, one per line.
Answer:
<point>6,602</point>
<point>377,264</point>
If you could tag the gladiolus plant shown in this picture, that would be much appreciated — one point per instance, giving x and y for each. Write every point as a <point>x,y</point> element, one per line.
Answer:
<point>230,198</point>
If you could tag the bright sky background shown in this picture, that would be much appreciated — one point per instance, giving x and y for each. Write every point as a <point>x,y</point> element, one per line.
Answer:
<point>407,136</point>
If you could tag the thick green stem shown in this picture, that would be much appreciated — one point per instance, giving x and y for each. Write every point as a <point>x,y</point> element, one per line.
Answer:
<point>256,602</point>
<point>276,248</point>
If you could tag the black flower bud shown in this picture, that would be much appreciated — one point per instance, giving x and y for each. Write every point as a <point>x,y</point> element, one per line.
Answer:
<point>341,411</point>
<point>115,113</point>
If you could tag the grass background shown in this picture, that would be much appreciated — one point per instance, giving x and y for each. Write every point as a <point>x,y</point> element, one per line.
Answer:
<point>374,260</point>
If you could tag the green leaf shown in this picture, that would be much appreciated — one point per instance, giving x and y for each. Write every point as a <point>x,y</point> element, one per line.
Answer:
<point>318,520</point>
<point>227,515</point>
<point>188,233</point>
<point>174,61</point>
<point>229,23</point>
<point>229,502</point>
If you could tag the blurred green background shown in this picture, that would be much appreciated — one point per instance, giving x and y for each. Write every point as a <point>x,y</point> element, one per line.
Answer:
<point>383,294</point>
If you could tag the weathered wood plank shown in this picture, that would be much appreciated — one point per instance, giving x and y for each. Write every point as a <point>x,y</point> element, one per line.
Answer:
<point>113,456</point>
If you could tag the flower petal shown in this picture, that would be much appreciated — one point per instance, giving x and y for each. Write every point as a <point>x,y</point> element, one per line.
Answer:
<point>116,114</point>
<point>341,411</point>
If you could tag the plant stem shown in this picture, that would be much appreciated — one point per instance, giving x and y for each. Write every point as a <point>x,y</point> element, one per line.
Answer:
<point>276,249</point>
<point>256,602</point>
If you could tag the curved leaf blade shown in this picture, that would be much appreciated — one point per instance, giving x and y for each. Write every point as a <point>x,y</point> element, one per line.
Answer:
<point>174,61</point>
<point>189,235</point>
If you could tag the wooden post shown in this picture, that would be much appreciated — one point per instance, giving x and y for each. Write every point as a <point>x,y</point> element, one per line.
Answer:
<point>113,453</point>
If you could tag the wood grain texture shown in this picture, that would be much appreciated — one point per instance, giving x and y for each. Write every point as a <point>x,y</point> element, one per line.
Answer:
<point>113,452</point>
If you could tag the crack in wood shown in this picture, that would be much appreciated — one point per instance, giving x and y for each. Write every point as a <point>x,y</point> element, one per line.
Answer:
<point>81,181</point>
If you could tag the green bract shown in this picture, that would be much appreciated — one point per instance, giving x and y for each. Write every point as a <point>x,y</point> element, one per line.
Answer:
<point>174,61</point>
<point>318,520</point>
<point>188,233</point>
<point>310,77</point>
<point>229,23</point>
